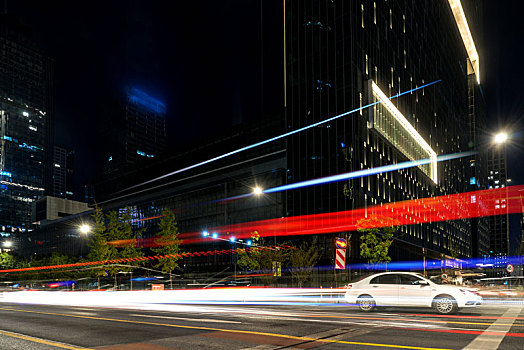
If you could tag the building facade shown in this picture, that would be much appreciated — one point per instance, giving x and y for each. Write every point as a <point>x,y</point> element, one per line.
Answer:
<point>26,110</point>
<point>133,130</point>
<point>63,172</point>
<point>343,55</point>
<point>499,224</point>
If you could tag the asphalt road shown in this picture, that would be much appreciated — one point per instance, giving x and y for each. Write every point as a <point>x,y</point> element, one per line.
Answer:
<point>24,327</point>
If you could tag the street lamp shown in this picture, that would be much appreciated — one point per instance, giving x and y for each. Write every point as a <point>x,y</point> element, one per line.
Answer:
<point>500,138</point>
<point>257,191</point>
<point>85,228</point>
<point>8,244</point>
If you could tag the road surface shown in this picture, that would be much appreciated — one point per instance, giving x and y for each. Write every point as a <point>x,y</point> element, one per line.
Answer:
<point>335,326</point>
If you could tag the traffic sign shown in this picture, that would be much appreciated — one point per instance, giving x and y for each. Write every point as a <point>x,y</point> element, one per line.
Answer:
<point>444,276</point>
<point>509,268</point>
<point>340,259</point>
<point>341,243</point>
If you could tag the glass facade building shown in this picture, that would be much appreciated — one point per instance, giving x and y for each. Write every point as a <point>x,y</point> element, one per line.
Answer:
<point>26,110</point>
<point>499,224</point>
<point>133,130</point>
<point>342,55</point>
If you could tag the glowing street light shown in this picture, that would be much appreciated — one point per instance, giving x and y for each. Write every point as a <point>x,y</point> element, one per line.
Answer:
<point>8,244</point>
<point>501,137</point>
<point>85,228</point>
<point>205,233</point>
<point>232,239</point>
<point>257,191</point>
<point>214,235</point>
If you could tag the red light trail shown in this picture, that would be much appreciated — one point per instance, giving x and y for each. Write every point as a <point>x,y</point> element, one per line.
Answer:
<point>466,205</point>
<point>144,258</point>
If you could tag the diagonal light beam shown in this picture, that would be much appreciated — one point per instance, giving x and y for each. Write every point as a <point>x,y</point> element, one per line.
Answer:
<point>275,138</point>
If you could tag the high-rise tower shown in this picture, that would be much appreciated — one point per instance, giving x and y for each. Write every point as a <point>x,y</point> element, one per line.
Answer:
<point>342,55</point>
<point>133,130</point>
<point>26,111</point>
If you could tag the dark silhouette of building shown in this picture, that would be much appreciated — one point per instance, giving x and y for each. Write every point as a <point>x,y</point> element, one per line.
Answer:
<point>499,224</point>
<point>133,129</point>
<point>63,173</point>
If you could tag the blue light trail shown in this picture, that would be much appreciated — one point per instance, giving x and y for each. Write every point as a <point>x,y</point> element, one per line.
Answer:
<point>366,172</point>
<point>276,137</point>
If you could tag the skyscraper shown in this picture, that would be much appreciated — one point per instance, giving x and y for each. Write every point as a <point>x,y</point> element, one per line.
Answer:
<point>133,130</point>
<point>26,110</point>
<point>342,55</point>
<point>63,171</point>
<point>498,224</point>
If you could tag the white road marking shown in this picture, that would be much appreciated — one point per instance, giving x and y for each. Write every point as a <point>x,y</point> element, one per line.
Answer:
<point>186,319</point>
<point>490,341</point>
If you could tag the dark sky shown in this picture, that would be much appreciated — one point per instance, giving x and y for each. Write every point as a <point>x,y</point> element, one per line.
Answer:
<point>204,59</point>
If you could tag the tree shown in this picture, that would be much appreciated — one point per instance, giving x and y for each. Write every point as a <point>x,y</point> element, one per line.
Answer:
<point>99,249</point>
<point>261,258</point>
<point>10,261</point>
<point>377,237</point>
<point>129,237</point>
<point>168,244</point>
<point>53,259</point>
<point>302,260</point>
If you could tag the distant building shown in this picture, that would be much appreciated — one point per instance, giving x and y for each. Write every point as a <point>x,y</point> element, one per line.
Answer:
<point>498,224</point>
<point>51,208</point>
<point>134,130</point>
<point>61,235</point>
<point>26,124</point>
<point>63,171</point>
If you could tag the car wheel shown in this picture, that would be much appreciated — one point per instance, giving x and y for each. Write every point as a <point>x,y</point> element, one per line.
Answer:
<point>445,304</point>
<point>366,303</point>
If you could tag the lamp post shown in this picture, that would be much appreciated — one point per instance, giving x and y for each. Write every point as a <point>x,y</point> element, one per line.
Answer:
<point>84,229</point>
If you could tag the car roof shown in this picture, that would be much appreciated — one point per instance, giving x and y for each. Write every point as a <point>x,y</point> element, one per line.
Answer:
<point>391,273</point>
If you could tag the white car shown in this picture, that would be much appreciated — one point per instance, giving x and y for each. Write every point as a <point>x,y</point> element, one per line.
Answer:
<point>409,289</point>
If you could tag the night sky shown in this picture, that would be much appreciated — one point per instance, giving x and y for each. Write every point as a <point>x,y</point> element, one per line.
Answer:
<point>204,59</point>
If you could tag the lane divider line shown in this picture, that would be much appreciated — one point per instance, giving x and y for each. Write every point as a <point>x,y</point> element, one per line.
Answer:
<point>228,330</point>
<point>41,341</point>
<point>495,334</point>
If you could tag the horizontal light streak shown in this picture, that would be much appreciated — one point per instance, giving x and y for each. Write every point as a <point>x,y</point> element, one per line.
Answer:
<point>142,258</point>
<point>367,172</point>
<point>465,33</point>
<point>424,210</point>
<point>275,138</point>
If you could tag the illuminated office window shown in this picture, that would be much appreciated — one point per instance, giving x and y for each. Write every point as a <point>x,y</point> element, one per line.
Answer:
<point>390,122</point>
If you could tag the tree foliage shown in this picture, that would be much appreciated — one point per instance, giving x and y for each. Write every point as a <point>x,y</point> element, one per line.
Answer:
<point>128,248</point>
<point>302,260</point>
<point>53,259</point>
<point>99,249</point>
<point>9,260</point>
<point>113,237</point>
<point>167,242</point>
<point>261,258</point>
<point>377,237</point>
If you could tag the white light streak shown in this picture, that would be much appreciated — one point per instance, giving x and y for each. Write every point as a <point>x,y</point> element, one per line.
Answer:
<point>467,38</point>
<point>409,128</point>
